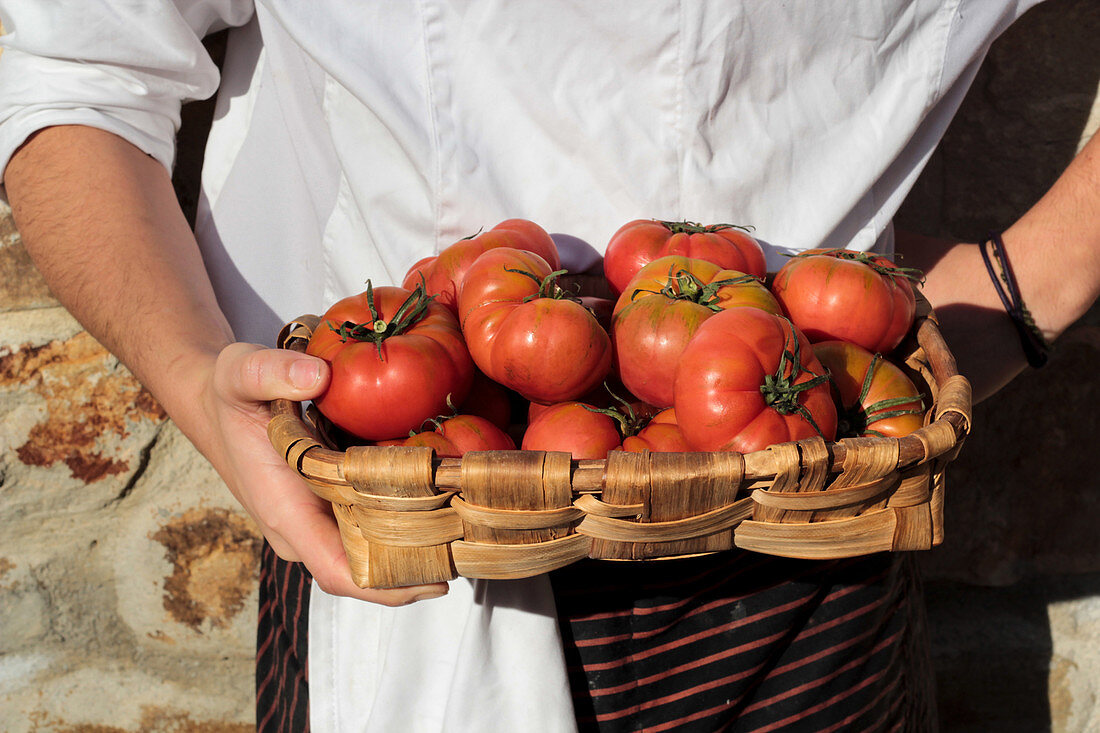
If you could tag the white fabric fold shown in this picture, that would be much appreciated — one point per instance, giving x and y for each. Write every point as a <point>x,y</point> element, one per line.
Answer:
<point>485,657</point>
<point>122,67</point>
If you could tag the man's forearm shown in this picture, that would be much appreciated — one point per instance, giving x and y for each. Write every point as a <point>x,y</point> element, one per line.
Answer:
<point>1054,251</point>
<point>102,223</point>
<point>1055,247</point>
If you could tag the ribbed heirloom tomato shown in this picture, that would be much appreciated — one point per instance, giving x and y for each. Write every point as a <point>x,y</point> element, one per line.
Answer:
<point>660,435</point>
<point>639,242</point>
<point>454,436</point>
<point>662,307</point>
<point>575,428</point>
<point>443,273</point>
<point>396,356</point>
<point>850,296</point>
<point>748,379</point>
<point>525,333</point>
<point>874,397</point>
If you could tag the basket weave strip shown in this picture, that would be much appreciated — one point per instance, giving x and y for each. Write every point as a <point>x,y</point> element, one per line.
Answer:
<point>691,528</point>
<point>515,519</point>
<point>409,529</point>
<point>801,468</point>
<point>590,505</point>
<point>511,480</point>
<point>953,405</point>
<point>355,545</point>
<point>815,457</point>
<point>937,438</point>
<point>324,465</point>
<point>291,437</point>
<point>815,469</point>
<point>390,470</point>
<point>914,529</point>
<point>935,507</point>
<point>398,473</point>
<point>298,331</point>
<point>915,487</point>
<point>833,498</point>
<point>787,472</point>
<point>866,460</point>
<point>504,562</point>
<point>401,503</point>
<point>669,487</point>
<point>849,537</point>
<point>955,396</point>
<point>587,474</point>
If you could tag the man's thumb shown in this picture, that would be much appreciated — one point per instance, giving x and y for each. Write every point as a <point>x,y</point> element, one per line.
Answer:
<point>254,374</point>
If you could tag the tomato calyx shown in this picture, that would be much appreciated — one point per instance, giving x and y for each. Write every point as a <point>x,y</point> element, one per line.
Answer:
<point>856,420</point>
<point>780,390</point>
<point>691,227</point>
<point>629,421</point>
<point>378,329</point>
<point>548,286</point>
<point>684,285</point>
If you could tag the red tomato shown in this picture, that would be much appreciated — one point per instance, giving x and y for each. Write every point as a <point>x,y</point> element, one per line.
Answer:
<point>396,358</point>
<point>443,273</point>
<point>874,397</point>
<point>849,296</point>
<point>573,428</point>
<point>661,435</point>
<point>456,435</point>
<point>639,242</point>
<point>660,310</point>
<point>749,379</point>
<point>524,334</point>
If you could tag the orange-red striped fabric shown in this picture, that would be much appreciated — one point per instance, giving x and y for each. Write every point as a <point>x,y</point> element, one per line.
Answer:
<point>727,642</point>
<point>282,687</point>
<point>743,642</point>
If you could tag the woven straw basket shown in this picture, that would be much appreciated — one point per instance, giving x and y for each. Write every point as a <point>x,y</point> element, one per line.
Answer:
<point>408,517</point>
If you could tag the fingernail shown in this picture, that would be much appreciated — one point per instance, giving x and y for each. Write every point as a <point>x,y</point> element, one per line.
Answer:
<point>305,373</point>
<point>429,596</point>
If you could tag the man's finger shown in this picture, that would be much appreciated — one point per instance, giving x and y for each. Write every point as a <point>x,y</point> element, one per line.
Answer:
<point>251,373</point>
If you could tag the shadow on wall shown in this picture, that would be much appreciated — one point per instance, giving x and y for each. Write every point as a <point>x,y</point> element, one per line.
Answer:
<point>1023,497</point>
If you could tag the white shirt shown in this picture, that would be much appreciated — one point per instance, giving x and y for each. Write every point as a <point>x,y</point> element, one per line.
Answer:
<point>352,139</point>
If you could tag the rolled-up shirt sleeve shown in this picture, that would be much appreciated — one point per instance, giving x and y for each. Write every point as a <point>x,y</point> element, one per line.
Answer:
<point>124,67</point>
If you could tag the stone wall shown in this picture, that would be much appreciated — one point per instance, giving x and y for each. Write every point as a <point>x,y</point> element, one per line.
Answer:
<point>127,576</point>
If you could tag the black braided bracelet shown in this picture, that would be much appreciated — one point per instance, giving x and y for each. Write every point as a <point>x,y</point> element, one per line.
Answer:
<point>1035,346</point>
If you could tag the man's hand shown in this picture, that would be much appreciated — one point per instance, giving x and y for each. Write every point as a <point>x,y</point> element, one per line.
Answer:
<point>298,524</point>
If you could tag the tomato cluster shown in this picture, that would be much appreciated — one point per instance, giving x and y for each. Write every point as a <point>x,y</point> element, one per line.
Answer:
<point>698,352</point>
